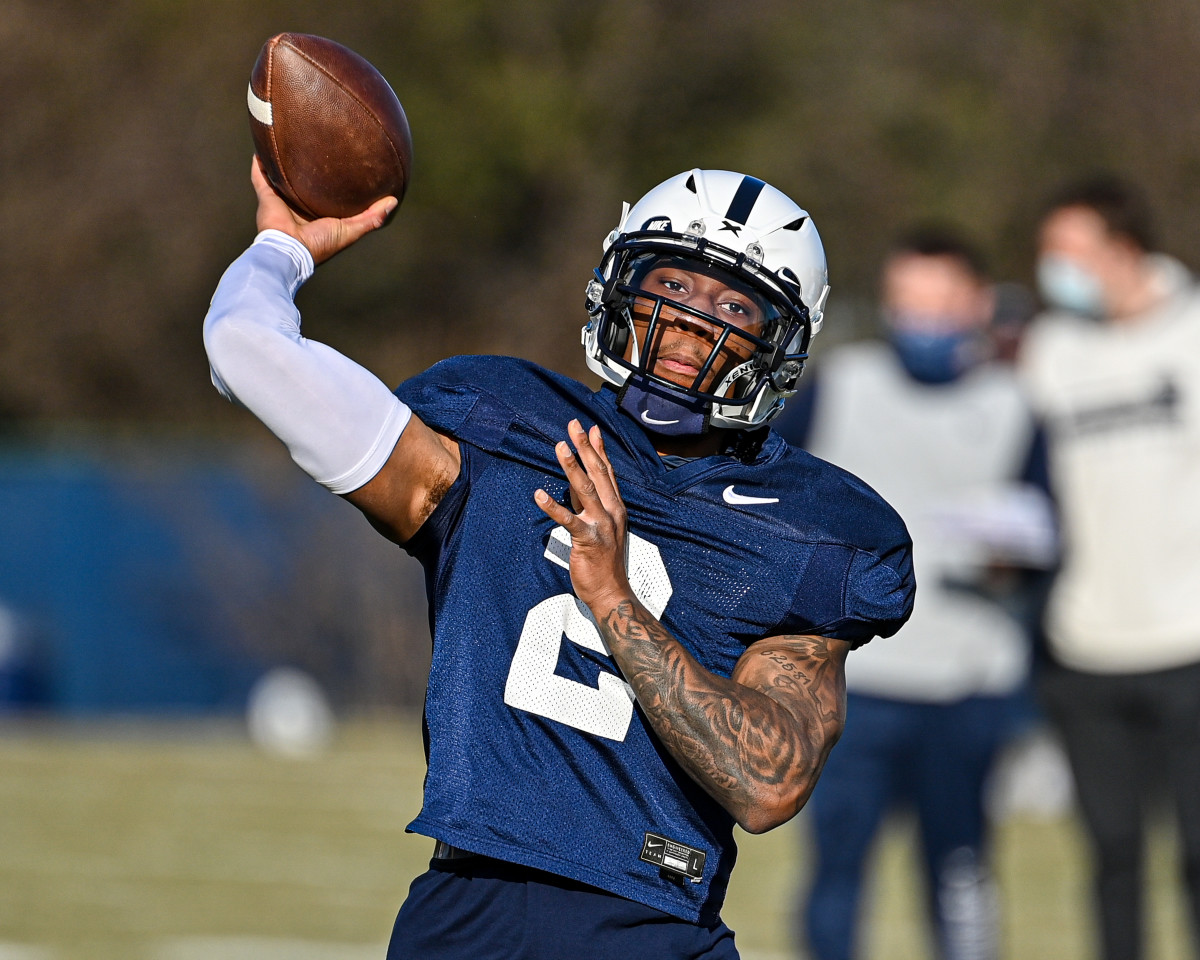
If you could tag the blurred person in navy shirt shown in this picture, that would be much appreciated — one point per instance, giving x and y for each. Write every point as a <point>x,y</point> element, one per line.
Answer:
<point>928,418</point>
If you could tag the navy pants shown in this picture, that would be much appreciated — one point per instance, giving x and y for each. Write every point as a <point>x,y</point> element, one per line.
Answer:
<point>934,759</point>
<point>484,909</point>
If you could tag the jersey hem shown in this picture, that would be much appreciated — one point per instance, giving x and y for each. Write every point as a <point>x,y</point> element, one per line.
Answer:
<point>489,847</point>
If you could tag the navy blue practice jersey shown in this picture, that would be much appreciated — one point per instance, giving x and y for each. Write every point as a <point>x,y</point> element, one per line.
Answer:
<point>538,753</point>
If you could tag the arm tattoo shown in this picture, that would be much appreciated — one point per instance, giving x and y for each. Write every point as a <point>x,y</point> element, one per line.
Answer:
<point>748,741</point>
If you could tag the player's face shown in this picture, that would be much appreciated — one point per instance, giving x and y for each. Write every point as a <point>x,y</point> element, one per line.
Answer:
<point>684,341</point>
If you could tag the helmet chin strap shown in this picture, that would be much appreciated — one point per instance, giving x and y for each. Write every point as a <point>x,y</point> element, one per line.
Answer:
<point>659,409</point>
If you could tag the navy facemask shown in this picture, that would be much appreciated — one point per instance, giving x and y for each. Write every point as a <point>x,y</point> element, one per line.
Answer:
<point>937,357</point>
<point>660,409</point>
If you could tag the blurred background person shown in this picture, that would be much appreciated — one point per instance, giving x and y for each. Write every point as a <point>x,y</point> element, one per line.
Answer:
<point>1114,369</point>
<point>928,419</point>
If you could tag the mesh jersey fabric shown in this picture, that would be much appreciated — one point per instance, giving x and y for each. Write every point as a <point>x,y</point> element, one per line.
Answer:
<point>537,752</point>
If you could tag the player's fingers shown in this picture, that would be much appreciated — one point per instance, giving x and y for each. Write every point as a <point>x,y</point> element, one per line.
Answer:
<point>330,235</point>
<point>274,214</point>
<point>257,177</point>
<point>549,506</point>
<point>334,235</point>
<point>597,467</point>
<point>583,490</point>
<point>599,470</point>
<point>267,197</point>
<point>374,217</point>
<point>597,439</point>
<point>559,514</point>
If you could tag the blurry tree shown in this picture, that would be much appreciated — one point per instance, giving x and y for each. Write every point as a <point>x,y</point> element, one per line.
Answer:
<point>124,193</point>
<point>124,155</point>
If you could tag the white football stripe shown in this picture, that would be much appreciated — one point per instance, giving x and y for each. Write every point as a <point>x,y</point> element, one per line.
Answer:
<point>260,110</point>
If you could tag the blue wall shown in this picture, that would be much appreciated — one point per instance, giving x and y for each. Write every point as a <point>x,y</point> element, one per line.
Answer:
<point>99,560</point>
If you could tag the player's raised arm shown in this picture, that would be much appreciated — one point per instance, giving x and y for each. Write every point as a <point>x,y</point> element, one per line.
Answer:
<point>340,423</point>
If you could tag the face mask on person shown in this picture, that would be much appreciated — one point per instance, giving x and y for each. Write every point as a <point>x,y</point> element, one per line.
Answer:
<point>1066,285</point>
<point>936,357</point>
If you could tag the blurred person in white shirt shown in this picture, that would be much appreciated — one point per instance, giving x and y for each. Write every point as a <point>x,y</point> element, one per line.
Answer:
<point>1113,368</point>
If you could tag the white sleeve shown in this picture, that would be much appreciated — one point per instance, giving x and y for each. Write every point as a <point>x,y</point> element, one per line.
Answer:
<point>338,420</point>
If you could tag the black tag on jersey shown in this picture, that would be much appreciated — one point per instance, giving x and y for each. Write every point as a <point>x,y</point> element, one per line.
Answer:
<point>673,857</point>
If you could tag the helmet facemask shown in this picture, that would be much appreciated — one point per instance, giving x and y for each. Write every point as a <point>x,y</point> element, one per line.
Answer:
<point>738,359</point>
<point>755,241</point>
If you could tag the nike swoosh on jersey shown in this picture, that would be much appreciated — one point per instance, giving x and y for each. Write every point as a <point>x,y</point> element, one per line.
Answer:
<point>646,418</point>
<point>735,498</point>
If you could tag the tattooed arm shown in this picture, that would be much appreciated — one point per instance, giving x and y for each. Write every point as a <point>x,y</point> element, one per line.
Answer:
<point>756,741</point>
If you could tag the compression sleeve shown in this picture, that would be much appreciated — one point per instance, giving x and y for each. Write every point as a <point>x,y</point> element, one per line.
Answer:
<point>336,418</point>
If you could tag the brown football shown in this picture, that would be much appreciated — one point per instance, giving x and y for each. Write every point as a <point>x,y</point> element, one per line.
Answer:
<point>330,134</point>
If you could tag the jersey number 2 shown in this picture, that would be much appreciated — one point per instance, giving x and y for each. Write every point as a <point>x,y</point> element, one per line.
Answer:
<point>606,709</point>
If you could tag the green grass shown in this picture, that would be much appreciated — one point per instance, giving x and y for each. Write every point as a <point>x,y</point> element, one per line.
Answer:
<point>171,842</point>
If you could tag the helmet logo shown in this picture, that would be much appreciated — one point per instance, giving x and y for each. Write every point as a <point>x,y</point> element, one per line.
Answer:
<point>744,199</point>
<point>734,228</point>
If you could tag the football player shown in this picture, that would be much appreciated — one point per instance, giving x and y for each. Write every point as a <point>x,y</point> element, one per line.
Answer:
<point>642,598</point>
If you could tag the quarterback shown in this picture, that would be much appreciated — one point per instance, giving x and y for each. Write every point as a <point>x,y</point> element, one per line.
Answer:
<point>642,598</point>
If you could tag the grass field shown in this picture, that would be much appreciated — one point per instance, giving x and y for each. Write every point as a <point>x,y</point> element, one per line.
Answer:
<point>183,842</point>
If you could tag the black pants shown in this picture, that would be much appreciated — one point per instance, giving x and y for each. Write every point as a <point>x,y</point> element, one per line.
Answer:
<point>1127,736</point>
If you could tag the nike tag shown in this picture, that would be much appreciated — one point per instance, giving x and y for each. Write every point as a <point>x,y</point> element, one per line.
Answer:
<point>677,858</point>
<point>729,496</point>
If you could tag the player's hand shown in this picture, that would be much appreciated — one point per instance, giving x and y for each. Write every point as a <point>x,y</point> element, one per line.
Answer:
<point>323,237</point>
<point>597,524</point>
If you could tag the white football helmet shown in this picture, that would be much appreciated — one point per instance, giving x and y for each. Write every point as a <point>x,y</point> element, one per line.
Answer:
<point>742,228</point>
